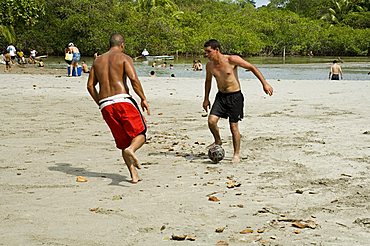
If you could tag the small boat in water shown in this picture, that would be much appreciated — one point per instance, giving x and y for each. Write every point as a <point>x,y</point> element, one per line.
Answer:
<point>159,58</point>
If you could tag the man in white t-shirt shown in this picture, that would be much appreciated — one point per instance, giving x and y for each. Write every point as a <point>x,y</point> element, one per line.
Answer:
<point>33,54</point>
<point>12,51</point>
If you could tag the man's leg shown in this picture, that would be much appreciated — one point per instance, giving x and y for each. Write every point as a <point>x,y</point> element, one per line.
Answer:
<point>130,158</point>
<point>234,128</point>
<point>212,124</point>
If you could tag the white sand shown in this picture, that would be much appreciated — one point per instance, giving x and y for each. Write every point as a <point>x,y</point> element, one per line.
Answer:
<point>305,158</point>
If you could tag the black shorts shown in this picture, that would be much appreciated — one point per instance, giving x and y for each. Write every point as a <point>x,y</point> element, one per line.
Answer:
<point>335,77</point>
<point>229,105</point>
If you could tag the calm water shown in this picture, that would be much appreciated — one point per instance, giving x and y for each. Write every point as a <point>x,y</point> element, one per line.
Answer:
<point>296,68</point>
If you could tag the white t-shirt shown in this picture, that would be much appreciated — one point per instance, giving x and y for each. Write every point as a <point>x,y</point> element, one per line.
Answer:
<point>11,49</point>
<point>33,53</point>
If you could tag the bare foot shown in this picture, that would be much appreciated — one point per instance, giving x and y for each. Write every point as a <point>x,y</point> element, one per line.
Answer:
<point>131,155</point>
<point>236,159</point>
<point>135,181</point>
<point>213,145</point>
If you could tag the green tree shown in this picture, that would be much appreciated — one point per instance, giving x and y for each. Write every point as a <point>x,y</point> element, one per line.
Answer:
<point>340,8</point>
<point>17,13</point>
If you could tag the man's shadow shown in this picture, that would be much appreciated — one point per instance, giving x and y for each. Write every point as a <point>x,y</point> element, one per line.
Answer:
<point>78,171</point>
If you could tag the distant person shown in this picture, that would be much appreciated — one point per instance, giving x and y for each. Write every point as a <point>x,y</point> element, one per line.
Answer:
<point>20,56</point>
<point>152,73</point>
<point>110,72</point>
<point>199,66</point>
<point>154,63</point>
<point>164,65</point>
<point>76,58</point>
<point>8,61</point>
<point>145,53</point>
<point>12,52</point>
<point>229,101</point>
<point>33,53</point>
<point>2,58</point>
<point>85,68</point>
<point>96,54</point>
<point>171,66</point>
<point>335,71</point>
<point>68,56</point>
<point>41,63</point>
<point>194,65</point>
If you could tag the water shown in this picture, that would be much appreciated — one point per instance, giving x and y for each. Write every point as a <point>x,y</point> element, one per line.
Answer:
<point>273,68</point>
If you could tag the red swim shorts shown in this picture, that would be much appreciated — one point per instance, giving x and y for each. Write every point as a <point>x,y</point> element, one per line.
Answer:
<point>123,118</point>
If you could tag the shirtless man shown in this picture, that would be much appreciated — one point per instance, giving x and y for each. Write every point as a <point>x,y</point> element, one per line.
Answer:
<point>335,70</point>
<point>7,58</point>
<point>229,101</point>
<point>120,111</point>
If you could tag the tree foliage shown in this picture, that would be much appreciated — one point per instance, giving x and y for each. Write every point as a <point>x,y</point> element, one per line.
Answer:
<point>18,13</point>
<point>182,26</point>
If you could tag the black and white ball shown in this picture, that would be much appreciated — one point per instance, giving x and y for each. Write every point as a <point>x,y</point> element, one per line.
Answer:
<point>216,153</point>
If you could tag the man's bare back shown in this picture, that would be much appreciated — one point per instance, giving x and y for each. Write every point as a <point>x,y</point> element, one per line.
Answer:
<point>336,69</point>
<point>110,71</point>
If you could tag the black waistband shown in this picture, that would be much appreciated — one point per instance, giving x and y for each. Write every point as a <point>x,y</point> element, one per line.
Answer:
<point>228,93</point>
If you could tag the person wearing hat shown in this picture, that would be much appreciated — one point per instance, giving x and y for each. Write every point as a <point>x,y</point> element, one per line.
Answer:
<point>76,58</point>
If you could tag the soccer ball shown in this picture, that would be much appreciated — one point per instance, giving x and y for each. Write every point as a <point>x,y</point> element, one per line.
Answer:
<point>216,153</point>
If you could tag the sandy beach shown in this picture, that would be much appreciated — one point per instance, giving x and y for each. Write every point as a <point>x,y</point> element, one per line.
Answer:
<point>303,180</point>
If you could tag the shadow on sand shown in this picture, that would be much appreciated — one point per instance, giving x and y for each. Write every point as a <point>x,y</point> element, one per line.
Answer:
<point>78,171</point>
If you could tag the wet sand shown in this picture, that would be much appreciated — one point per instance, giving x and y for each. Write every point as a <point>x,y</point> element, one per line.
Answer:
<point>303,180</point>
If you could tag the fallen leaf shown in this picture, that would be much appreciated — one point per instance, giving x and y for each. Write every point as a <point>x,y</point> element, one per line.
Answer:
<point>246,231</point>
<point>220,229</point>
<point>222,243</point>
<point>81,179</point>
<point>94,209</point>
<point>213,199</point>
<point>178,237</point>
<point>261,230</point>
<point>191,237</point>
<point>232,184</point>
<point>304,224</point>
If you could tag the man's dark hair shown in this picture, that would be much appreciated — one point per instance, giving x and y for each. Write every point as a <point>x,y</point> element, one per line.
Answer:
<point>213,43</point>
<point>335,61</point>
<point>116,40</point>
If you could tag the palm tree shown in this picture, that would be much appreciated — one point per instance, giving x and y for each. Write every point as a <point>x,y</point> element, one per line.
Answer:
<point>8,33</point>
<point>340,8</point>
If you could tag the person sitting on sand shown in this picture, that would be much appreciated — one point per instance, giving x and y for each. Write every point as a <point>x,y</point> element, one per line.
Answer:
<point>41,63</point>
<point>85,69</point>
<point>110,72</point>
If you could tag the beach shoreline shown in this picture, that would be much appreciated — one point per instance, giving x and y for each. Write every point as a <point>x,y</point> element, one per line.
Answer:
<point>303,179</point>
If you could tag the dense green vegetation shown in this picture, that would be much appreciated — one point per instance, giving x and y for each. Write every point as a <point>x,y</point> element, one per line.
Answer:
<point>325,27</point>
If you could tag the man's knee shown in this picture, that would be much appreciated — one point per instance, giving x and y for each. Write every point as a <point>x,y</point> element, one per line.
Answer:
<point>234,127</point>
<point>212,120</point>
